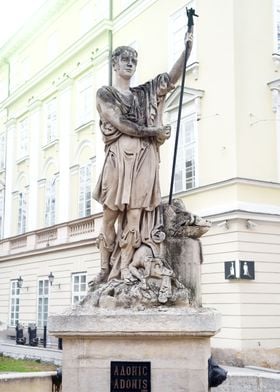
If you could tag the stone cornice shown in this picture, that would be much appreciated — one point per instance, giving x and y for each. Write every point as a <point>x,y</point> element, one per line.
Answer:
<point>68,53</point>
<point>229,182</point>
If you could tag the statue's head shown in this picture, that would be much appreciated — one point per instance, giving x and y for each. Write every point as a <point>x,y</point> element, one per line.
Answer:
<point>124,58</point>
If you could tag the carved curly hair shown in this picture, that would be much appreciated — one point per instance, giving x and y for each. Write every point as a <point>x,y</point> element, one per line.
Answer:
<point>121,49</point>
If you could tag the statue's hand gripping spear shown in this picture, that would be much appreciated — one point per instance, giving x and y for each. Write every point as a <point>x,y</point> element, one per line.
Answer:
<point>190,14</point>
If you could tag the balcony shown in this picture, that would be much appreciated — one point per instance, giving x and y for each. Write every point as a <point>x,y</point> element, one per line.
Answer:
<point>69,234</point>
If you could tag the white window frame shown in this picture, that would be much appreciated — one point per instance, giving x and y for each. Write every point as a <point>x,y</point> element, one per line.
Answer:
<point>43,301</point>
<point>2,151</point>
<point>79,287</point>
<point>85,176</point>
<point>276,17</point>
<point>189,114</point>
<point>22,212</point>
<point>51,120</point>
<point>50,202</point>
<point>2,201</point>
<point>14,303</point>
<point>23,138</point>
<point>177,29</point>
<point>84,99</point>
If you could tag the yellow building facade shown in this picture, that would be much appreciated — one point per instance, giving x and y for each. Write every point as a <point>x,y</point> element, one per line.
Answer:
<point>228,167</point>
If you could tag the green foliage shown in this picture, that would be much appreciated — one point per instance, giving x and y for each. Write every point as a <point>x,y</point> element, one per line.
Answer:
<point>8,364</point>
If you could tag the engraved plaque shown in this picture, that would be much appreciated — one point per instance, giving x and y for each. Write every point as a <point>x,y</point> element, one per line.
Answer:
<point>130,376</point>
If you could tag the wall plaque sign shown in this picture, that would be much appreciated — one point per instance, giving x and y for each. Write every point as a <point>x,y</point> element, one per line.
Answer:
<point>130,376</point>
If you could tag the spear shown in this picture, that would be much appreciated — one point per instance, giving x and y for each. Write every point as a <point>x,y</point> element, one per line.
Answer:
<point>190,14</point>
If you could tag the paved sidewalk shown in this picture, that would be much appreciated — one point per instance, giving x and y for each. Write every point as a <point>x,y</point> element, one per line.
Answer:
<point>27,352</point>
<point>250,380</point>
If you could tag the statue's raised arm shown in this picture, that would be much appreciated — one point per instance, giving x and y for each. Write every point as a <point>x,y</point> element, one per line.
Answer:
<point>177,69</point>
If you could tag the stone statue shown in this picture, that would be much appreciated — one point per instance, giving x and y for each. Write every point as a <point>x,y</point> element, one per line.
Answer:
<point>128,187</point>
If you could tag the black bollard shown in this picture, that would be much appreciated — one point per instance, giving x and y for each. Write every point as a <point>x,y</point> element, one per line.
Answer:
<point>45,337</point>
<point>216,374</point>
<point>60,343</point>
<point>20,338</point>
<point>57,380</point>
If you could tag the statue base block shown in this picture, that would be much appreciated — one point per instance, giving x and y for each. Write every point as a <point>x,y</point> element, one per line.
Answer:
<point>175,341</point>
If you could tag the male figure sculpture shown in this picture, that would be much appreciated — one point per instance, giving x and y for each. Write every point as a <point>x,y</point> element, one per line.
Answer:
<point>128,187</point>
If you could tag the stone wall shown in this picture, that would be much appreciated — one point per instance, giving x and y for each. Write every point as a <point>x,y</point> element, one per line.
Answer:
<point>26,382</point>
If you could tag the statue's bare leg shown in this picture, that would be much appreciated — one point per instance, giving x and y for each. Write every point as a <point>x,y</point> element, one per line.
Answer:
<point>130,240</point>
<point>106,243</point>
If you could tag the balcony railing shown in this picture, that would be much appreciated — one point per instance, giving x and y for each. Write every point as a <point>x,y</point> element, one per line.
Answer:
<point>83,229</point>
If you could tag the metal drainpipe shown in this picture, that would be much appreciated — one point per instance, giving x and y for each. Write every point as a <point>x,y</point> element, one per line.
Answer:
<point>2,232</point>
<point>110,39</point>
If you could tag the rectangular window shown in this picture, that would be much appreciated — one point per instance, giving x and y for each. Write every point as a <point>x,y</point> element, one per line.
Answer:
<point>85,100</point>
<point>50,202</point>
<point>178,28</point>
<point>85,190</point>
<point>23,138</point>
<point>43,302</point>
<point>21,213</point>
<point>79,287</point>
<point>51,120</point>
<point>277,26</point>
<point>14,303</point>
<point>185,171</point>
<point>2,151</point>
<point>1,214</point>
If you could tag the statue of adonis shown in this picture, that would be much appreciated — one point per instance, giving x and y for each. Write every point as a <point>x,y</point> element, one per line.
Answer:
<point>128,186</point>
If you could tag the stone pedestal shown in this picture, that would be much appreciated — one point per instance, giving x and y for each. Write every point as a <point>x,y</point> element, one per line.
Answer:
<point>176,341</point>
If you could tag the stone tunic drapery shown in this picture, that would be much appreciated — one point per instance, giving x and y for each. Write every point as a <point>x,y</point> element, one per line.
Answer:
<point>130,174</point>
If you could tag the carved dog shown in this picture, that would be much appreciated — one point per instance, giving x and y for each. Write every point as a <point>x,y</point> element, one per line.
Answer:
<point>181,223</point>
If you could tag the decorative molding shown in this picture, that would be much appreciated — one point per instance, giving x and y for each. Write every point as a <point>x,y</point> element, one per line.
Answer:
<point>90,123</point>
<point>74,169</point>
<point>60,60</point>
<point>190,94</point>
<point>22,159</point>
<point>11,123</point>
<point>50,144</point>
<point>275,89</point>
<point>42,182</point>
<point>229,214</point>
<point>194,69</point>
<point>65,83</point>
<point>276,61</point>
<point>34,104</point>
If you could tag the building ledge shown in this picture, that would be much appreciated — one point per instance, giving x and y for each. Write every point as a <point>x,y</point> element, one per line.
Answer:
<point>69,234</point>
<point>50,144</point>
<point>85,126</point>
<point>22,159</point>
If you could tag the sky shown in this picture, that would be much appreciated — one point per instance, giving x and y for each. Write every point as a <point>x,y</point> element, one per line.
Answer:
<point>13,14</point>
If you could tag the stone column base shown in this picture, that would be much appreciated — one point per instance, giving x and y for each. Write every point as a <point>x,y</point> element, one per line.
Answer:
<point>175,341</point>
